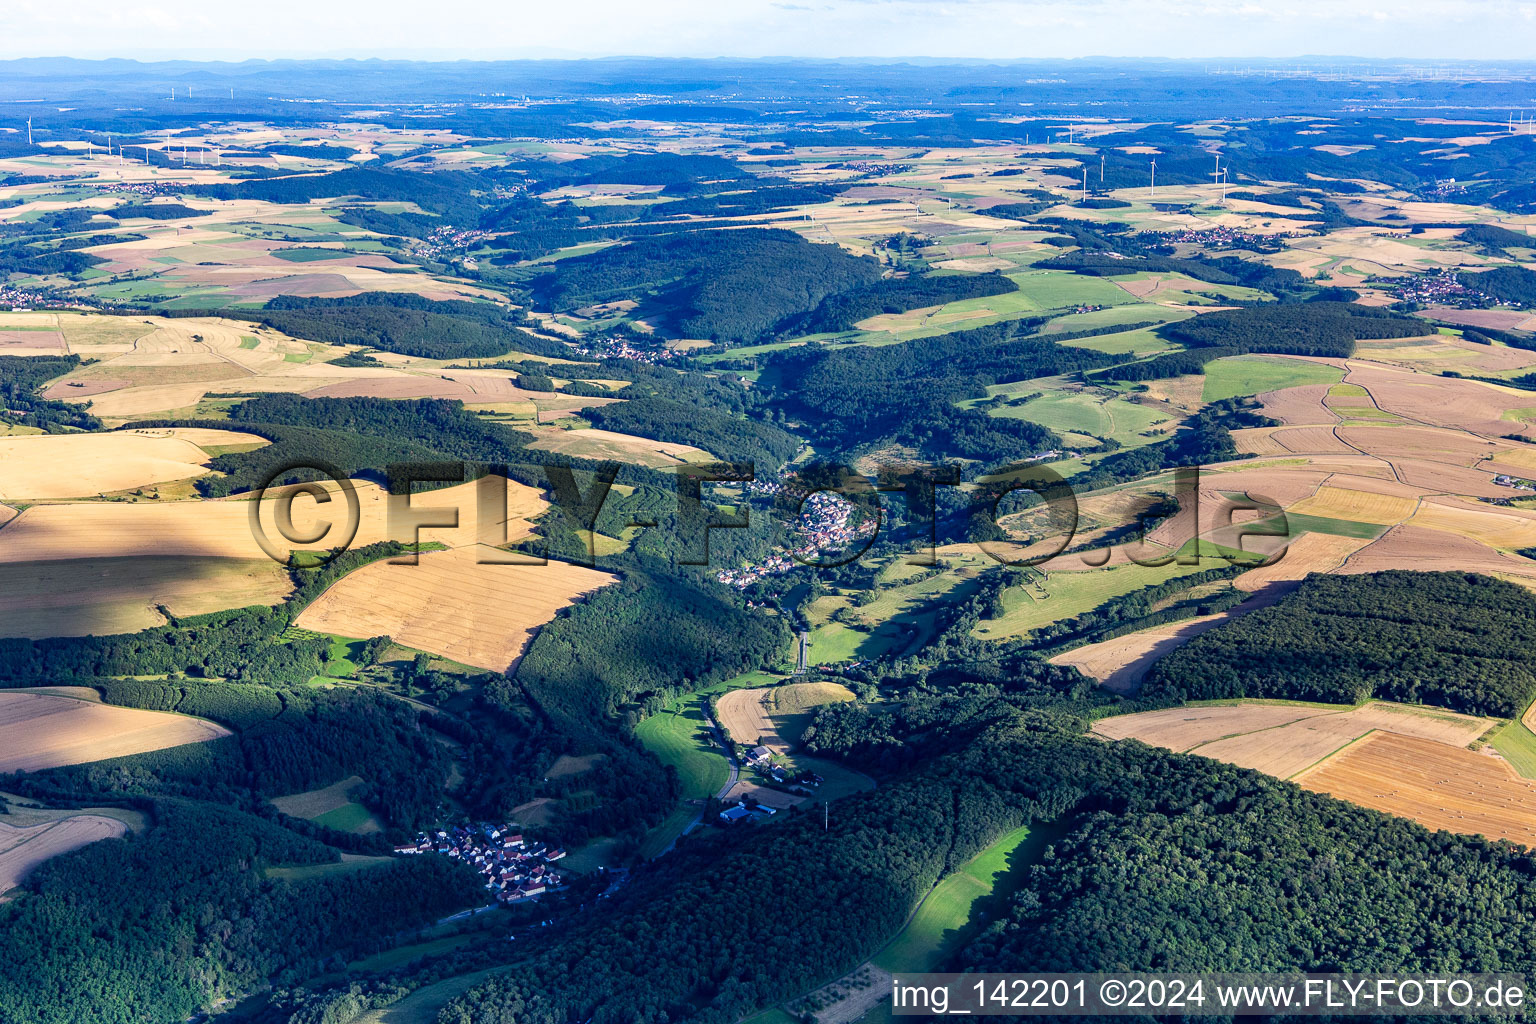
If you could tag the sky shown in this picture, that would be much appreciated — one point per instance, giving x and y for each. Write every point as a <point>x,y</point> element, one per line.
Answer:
<point>485,29</point>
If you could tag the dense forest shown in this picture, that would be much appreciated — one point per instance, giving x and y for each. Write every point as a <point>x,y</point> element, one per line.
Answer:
<point>729,438</point>
<point>841,311</point>
<point>168,922</point>
<point>907,391</point>
<point>360,437</point>
<point>1454,640</point>
<point>1507,284</point>
<point>447,194</point>
<point>730,286</point>
<point>1292,328</point>
<point>406,324</point>
<point>287,740</point>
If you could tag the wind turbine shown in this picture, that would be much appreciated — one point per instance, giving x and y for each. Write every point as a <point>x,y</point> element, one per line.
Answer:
<point>29,131</point>
<point>1101,168</point>
<point>1154,179</point>
<point>1085,183</point>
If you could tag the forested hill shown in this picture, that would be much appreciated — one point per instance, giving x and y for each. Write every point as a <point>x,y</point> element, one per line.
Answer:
<point>1169,862</point>
<point>907,391</point>
<point>731,286</point>
<point>1454,640</point>
<point>407,324</point>
<point>1288,328</point>
<point>1303,329</point>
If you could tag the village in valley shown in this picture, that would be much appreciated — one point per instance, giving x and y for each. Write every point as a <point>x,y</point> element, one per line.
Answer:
<point>515,867</point>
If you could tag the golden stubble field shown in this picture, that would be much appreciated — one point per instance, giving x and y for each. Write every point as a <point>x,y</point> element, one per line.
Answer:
<point>1411,761</point>
<point>145,367</point>
<point>775,716</point>
<point>23,849</point>
<point>42,730</point>
<point>54,466</point>
<point>463,604</point>
<point>77,568</point>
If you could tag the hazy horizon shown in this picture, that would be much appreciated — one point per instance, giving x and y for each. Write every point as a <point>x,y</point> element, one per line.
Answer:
<point>1495,30</point>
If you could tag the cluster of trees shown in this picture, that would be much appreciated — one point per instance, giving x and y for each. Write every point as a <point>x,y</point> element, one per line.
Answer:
<point>1292,328</point>
<point>908,390</point>
<point>288,741</point>
<point>155,211</point>
<point>1149,606</point>
<point>667,169</point>
<point>1202,439</point>
<point>897,295</point>
<point>1507,284</point>
<point>34,260</point>
<point>21,377</point>
<point>407,324</point>
<point>731,286</point>
<point>648,636</point>
<point>1206,867</point>
<point>449,194</point>
<point>318,151</point>
<point>1494,239</point>
<point>1304,329</point>
<point>727,437</point>
<point>233,645</point>
<point>246,645</point>
<point>359,436</point>
<point>1455,640</point>
<point>738,202</point>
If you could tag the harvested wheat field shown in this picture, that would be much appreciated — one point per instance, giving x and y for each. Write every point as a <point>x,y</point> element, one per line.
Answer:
<point>51,466</point>
<point>1442,401</point>
<point>1440,477</point>
<point>1286,751</point>
<point>1436,784</point>
<point>1306,554</point>
<point>1498,528</point>
<point>1357,506</point>
<point>1425,550</point>
<point>24,849</point>
<point>222,529</point>
<point>1270,735</point>
<point>775,716</point>
<point>1259,441</point>
<point>39,731</point>
<point>1120,662</point>
<point>31,343</point>
<point>1299,405</point>
<point>452,605</point>
<point>589,443</point>
<point>1430,443</point>
<point>85,597</point>
<point>1188,727</point>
